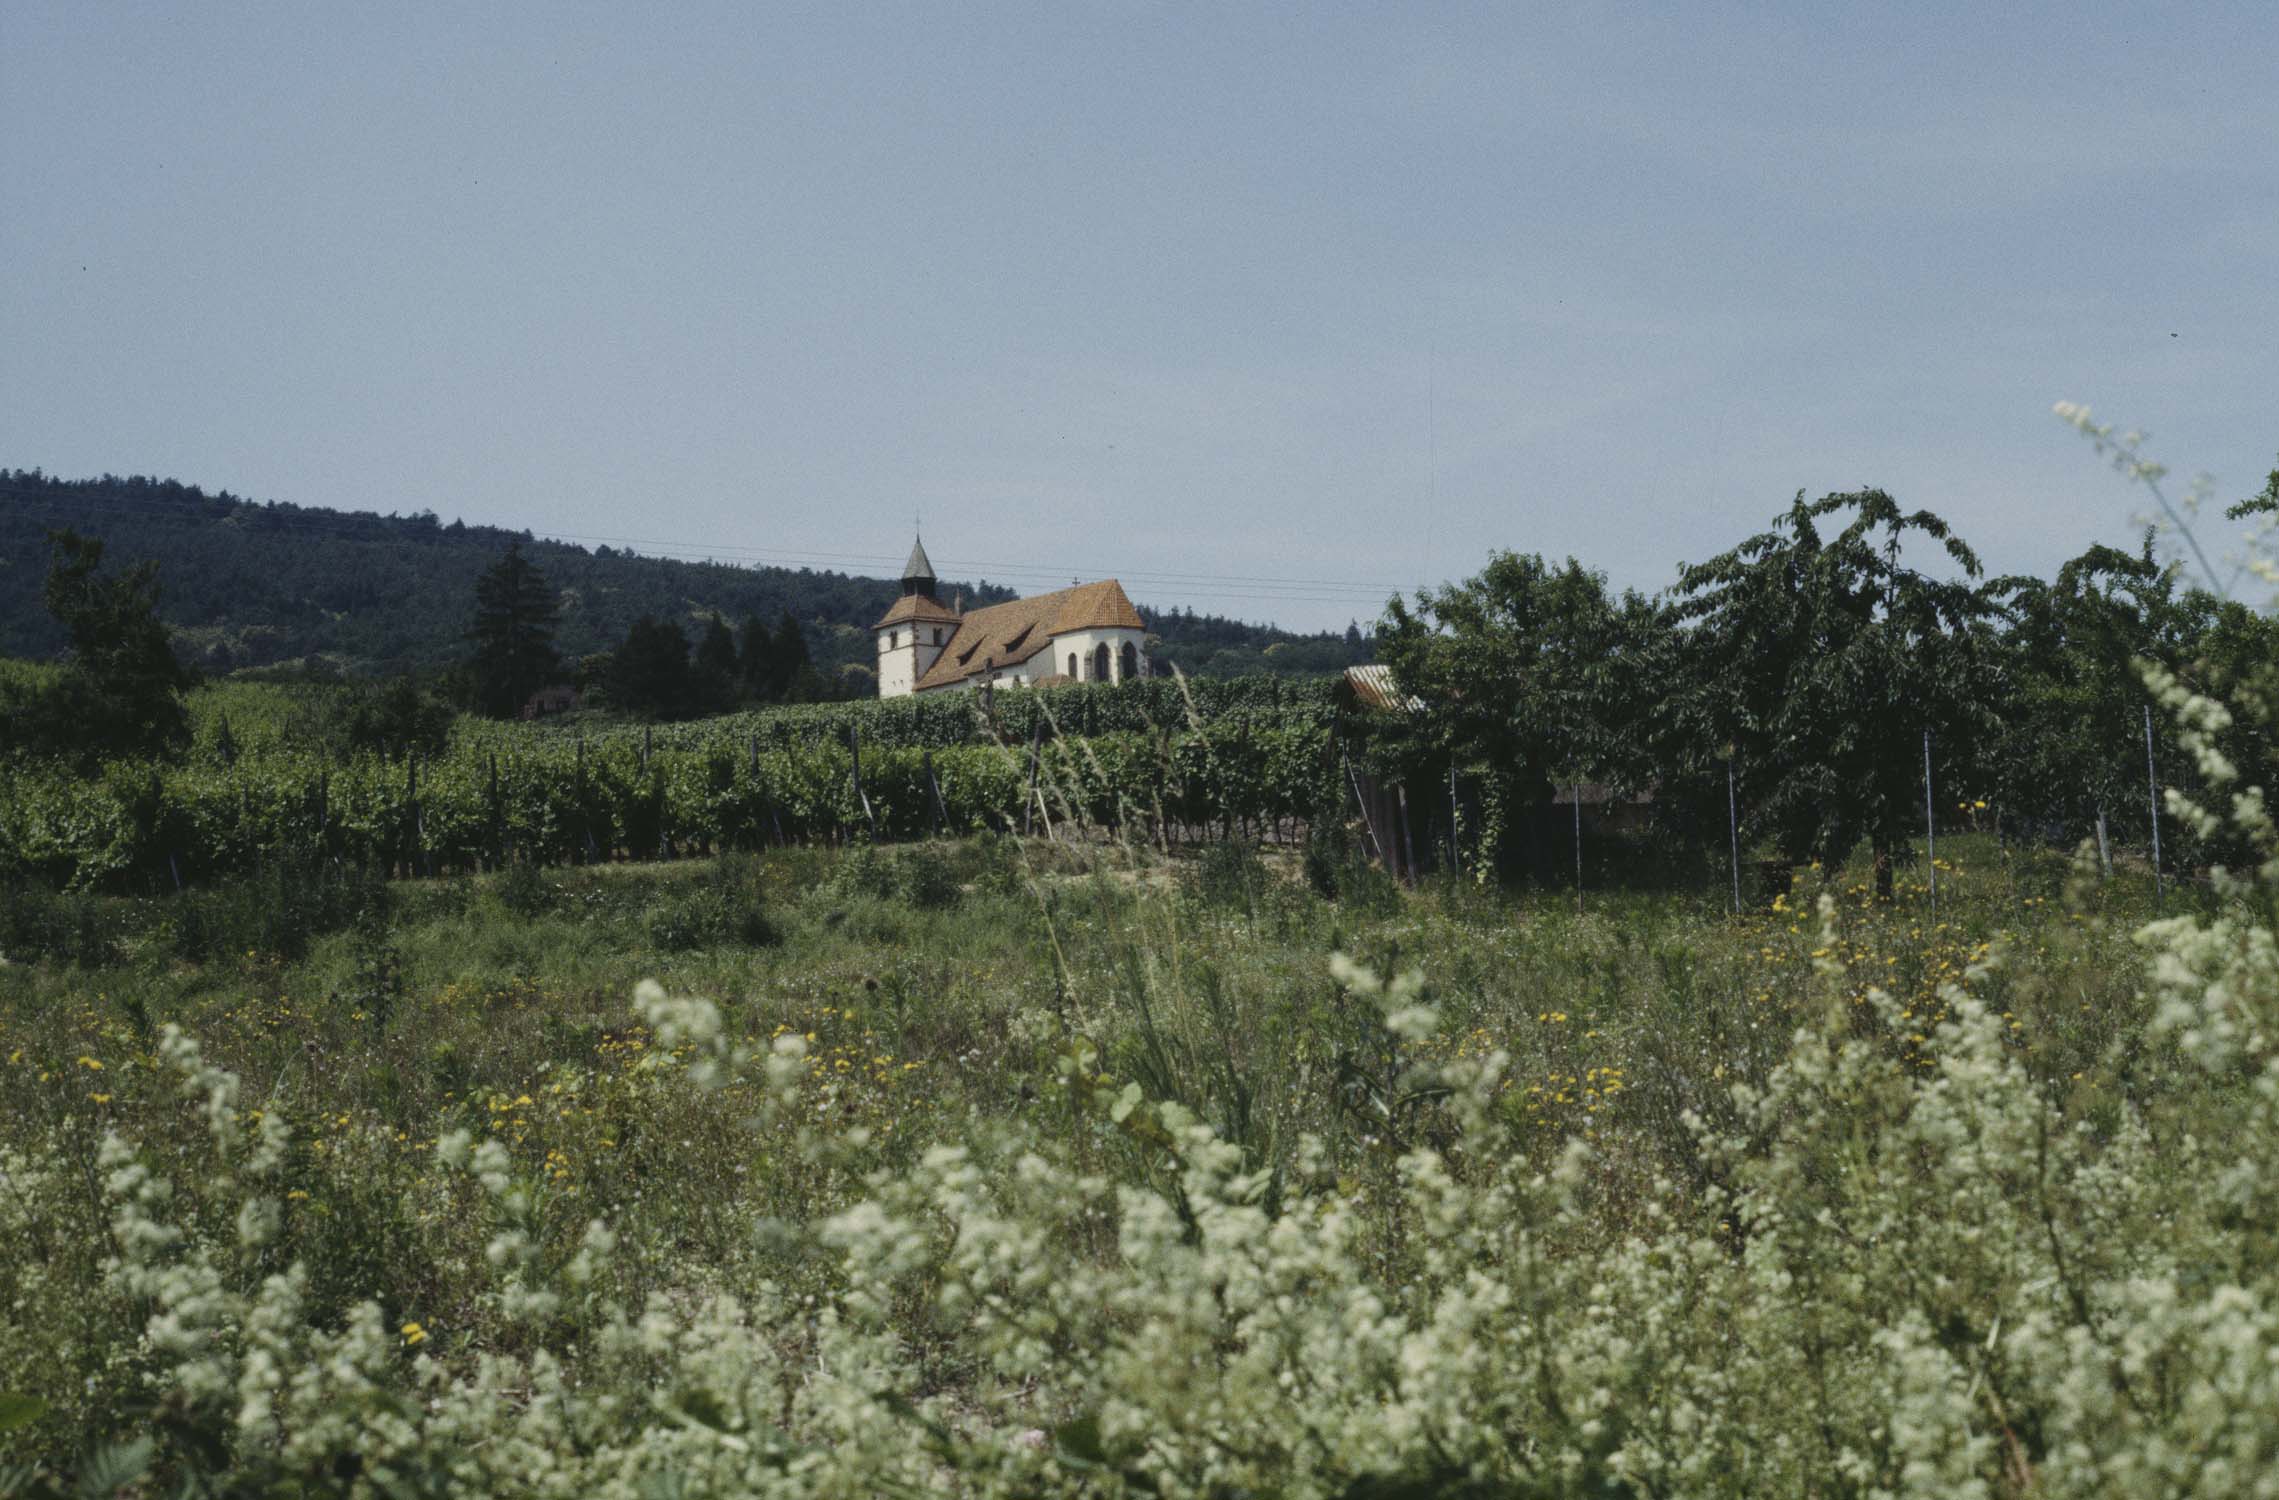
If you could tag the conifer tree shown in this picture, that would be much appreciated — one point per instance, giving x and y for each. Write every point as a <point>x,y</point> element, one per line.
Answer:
<point>716,666</point>
<point>649,674</point>
<point>120,693</point>
<point>513,633</point>
<point>753,653</point>
<point>790,664</point>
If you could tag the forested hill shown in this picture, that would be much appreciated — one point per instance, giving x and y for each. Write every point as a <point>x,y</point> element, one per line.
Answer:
<point>248,584</point>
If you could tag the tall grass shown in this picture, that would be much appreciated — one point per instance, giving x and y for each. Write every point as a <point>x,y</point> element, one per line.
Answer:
<point>1015,1167</point>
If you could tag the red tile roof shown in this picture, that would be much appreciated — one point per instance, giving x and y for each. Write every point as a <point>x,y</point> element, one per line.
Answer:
<point>1005,635</point>
<point>916,607</point>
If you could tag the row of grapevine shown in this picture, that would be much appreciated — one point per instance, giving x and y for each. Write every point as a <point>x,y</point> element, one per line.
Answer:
<point>555,800</point>
<point>940,720</point>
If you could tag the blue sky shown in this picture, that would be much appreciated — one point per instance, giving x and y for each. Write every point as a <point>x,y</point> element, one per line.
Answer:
<point>1267,310</point>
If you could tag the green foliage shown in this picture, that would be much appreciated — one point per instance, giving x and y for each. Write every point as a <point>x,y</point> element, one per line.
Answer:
<point>1818,662</point>
<point>2265,503</point>
<point>70,926</point>
<point>927,878</point>
<point>120,691</point>
<point>1229,876</point>
<point>1650,1202</point>
<point>258,585</point>
<point>394,719</point>
<point>707,917</point>
<point>1336,868</point>
<point>1530,675</point>
<point>648,673</point>
<point>555,800</point>
<point>1533,670</point>
<point>512,633</point>
<point>278,909</point>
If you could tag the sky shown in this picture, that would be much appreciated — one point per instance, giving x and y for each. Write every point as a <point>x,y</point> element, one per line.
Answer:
<point>1269,311</point>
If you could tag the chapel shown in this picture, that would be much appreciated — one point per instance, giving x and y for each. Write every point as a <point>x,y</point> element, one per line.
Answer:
<point>1088,632</point>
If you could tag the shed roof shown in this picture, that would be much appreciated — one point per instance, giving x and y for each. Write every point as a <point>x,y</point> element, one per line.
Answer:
<point>1372,686</point>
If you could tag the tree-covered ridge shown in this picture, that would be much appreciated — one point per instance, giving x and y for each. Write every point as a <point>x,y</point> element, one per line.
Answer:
<point>249,584</point>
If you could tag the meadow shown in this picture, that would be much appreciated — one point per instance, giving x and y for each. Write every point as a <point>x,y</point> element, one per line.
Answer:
<point>1025,1167</point>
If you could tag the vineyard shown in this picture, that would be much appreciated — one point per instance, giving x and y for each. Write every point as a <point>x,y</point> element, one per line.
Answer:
<point>1159,760</point>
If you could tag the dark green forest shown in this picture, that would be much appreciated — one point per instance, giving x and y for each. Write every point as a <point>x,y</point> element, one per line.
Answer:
<point>258,584</point>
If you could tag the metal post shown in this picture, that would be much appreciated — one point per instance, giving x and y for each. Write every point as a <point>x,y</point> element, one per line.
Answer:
<point>1455,845</point>
<point>1408,841</point>
<point>1930,826</point>
<point>1733,824</point>
<point>411,794</point>
<point>855,749</point>
<point>1029,803</point>
<point>2152,787</point>
<point>1368,823</point>
<point>1578,848</point>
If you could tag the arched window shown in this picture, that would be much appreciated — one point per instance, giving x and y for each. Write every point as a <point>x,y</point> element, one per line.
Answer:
<point>1072,666</point>
<point>1130,663</point>
<point>893,639</point>
<point>937,635</point>
<point>1100,662</point>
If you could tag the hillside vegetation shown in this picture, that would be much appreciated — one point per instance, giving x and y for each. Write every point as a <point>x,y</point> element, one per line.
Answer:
<point>251,584</point>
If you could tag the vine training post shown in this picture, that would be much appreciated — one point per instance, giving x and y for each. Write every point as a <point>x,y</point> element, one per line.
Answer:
<point>2152,794</point>
<point>1930,827</point>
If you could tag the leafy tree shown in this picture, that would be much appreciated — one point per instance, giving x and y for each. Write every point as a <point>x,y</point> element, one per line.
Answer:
<point>2071,751</point>
<point>2231,653</point>
<point>649,674</point>
<point>1531,675</point>
<point>120,691</point>
<point>2265,504</point>
<point>395,718</point>
<point>1817,662</point>
<point>1529,669</point>
<point>513,632</point>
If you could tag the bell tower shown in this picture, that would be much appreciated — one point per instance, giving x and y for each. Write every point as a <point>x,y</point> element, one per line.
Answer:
<point>914,629</point>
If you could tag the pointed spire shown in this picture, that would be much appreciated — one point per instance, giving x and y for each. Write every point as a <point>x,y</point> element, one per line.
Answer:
<point>918,572</point>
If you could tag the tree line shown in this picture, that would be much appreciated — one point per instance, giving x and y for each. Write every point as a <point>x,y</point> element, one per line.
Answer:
<point>270,585</point>
<point>1798,683</point>
<point>654,672</point>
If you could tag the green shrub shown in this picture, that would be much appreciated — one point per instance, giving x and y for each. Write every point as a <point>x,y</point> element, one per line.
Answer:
<point>71,926</point>
<point>730,908</point>
<point>1230,876</point>
<point>523,889</point>
<point>863,872</point>
<point>278,911</point>
<point>927,879</point>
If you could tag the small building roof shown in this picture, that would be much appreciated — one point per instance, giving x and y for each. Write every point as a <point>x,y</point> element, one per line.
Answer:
<point>1005,635</point>
<point>1372,686</point>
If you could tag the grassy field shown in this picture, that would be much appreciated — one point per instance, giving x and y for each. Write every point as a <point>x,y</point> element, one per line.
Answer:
<point>1026,1168</point>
